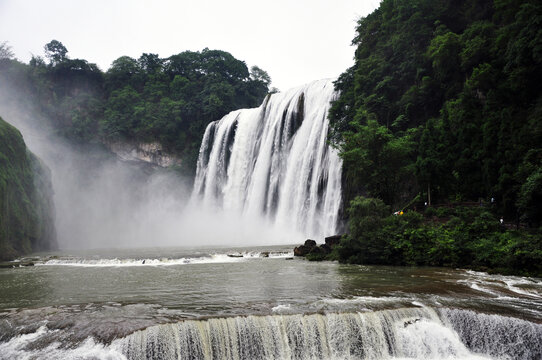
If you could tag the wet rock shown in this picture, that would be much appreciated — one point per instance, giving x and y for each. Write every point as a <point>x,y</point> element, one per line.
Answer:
<point>325,249</point>
<point>151,152</point>
<point>317,250</point>
<point>15,264</point>
<point>310,243</point>
<point>301,250</point>
<point>304,249</point>
<point>410,322</point>
<point>331,241</point>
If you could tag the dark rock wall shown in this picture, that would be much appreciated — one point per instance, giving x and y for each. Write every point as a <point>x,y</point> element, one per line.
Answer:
<point>26,203</point>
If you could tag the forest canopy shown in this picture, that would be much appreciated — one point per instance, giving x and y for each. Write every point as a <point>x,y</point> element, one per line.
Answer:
<point>170,100</point>
<point>444,100</point>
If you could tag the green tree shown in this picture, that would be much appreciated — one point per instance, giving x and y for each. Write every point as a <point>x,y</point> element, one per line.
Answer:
<point>6,53</point>
<point>377,161</point>
<point>365,243</point>
<point>530,198</point>
<point>55,51</point>
<point>465,77</point>
<point>122,114</point>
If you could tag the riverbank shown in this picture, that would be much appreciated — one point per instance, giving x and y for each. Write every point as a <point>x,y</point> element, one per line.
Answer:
<point>462,237</point>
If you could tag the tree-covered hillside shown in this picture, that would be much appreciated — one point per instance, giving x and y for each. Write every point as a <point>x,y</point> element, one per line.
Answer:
<point>445,100</point>
<point>26,206</point>
<point>170,100</point>
<point>442,114</point>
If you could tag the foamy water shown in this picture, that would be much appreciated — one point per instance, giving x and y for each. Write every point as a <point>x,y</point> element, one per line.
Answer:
<point>231,257</point>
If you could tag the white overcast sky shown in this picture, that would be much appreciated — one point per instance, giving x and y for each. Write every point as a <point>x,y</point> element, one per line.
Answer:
<point>295,41</point>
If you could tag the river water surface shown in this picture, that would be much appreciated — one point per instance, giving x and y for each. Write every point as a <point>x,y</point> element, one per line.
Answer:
<point>260,303</point>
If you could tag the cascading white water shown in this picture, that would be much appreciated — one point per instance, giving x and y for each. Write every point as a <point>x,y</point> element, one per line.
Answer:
<point>275,162</point>
<point>405,333</point>
<point>413,333</point>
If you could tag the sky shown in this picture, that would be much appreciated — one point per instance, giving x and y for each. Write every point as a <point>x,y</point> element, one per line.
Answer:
<point>295,41</point>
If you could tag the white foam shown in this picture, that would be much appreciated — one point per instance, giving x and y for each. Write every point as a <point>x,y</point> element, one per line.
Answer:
<point>282,308</point>
<point>364,300</point>
<point>512,286</point>
<point>19,347</point>
<point>219,258</point>
<point>230,257</point>
<point>482,281</point>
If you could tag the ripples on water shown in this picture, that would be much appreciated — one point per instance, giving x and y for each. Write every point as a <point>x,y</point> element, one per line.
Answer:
<point>260,303</point>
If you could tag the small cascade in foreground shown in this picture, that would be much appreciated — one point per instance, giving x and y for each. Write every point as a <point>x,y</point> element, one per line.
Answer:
<point>414,333</point>
<point>405,333</point>
<point>274,162</point>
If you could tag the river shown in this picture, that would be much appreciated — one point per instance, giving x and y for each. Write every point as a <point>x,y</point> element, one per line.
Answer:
<point>259,303</point>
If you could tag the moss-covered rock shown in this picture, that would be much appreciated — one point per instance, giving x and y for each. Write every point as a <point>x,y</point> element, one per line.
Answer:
<point>26,205</point>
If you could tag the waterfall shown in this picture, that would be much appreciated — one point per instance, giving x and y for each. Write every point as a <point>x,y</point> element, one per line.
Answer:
<point>405,333</point>
<point>274,162</point>
<point>414,333</point>
<point>497,336</point>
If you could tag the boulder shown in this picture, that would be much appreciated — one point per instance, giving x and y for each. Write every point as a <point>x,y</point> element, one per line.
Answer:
<point>301,250</point>
<point>306,248</point>
<point>310,243</point>
<point>331,241</point>
<point>325,248</point>
<point>317,250</point>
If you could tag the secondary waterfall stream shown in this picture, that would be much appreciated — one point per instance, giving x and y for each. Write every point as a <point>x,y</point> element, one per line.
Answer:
<point>275,162</point>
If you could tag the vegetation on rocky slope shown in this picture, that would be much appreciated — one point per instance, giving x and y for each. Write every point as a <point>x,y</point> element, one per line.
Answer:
<point>443,104</point>
<point>149,99</point>
<point>26,207</point>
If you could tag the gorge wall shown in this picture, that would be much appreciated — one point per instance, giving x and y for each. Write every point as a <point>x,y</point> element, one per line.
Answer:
<point>26,203</point>
<point>149,152</point>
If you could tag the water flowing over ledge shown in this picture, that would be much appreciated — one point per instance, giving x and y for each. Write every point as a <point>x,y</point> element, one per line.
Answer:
<point>275,162</point>
<point>211,258</point>
<point>413,333</point>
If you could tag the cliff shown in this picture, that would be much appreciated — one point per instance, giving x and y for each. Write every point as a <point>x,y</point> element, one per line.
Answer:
<point>26,204</point>
<point>152,153</point>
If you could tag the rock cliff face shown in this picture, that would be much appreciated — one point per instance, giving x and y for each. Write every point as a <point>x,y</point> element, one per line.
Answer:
<point>26,204</point>
<point>152,153</point>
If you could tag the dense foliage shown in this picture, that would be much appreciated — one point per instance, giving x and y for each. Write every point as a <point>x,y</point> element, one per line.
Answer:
<point>459,237</point>
<point>445,100</point>
<point>26,211</point>
<point>444,104</point>
<point>169,100</point>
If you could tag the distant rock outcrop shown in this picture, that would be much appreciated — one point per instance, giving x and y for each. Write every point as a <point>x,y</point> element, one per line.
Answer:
<point>26,198</point>
<point>152,153</point>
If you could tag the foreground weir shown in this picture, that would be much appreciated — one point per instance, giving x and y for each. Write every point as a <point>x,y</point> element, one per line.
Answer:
<point>414,333</point>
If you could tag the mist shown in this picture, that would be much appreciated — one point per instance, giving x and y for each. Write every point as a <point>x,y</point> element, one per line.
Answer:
<point>104,202</point>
